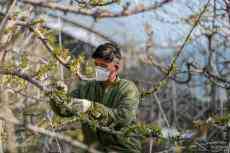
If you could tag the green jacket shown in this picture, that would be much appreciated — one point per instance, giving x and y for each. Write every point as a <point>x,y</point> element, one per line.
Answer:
<point>114,106</point>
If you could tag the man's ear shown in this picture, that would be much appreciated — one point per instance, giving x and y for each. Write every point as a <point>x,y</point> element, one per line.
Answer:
<point>117,66</point>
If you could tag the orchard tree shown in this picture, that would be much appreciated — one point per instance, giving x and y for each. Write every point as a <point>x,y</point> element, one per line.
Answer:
<point>35,54</point>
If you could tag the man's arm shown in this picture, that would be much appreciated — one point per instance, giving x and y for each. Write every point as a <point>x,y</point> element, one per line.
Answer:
<point>62,102</point>
<point>122,115</point>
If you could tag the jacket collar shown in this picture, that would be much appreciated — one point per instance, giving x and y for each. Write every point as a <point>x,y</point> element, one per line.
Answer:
<point>116,81</point>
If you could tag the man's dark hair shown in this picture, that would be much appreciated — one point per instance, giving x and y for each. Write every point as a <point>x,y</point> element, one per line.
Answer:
<point>108,52</point>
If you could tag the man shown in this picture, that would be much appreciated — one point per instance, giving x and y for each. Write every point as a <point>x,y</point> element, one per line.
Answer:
<point>110,101</point>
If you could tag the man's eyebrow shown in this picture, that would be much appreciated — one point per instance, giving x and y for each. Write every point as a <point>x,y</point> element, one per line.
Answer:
<point>100,64</point>
<point>104,65</point>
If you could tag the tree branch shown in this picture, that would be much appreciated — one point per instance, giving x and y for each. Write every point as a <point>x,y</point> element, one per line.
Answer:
<point>42,38</point>
<point>96,4</point>
<point>7,16</point>
<point>90,30</point>
<point>95,13</point>
<point>52,134</point>
<point>24,76</point>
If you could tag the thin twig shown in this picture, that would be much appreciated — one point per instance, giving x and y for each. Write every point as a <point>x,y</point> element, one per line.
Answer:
<point>161,110</point>
<point>96,4</point>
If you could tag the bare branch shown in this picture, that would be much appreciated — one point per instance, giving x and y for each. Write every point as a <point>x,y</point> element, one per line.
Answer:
<point>95,13</point>
<point>96,4</point>
<point>22,75</point>
<point>221,82</point>
<point>161,110</point>
<point>188,79</point>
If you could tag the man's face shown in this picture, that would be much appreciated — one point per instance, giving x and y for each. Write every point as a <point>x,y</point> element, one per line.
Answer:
<point>110,66</point>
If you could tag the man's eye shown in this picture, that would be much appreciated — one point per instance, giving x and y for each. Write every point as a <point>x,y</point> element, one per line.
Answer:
<point>104,66</point>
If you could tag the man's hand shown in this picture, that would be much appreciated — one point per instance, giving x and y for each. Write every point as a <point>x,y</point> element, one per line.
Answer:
<point>59,96</point>
<point>58,93</point>
<point>81,105</point>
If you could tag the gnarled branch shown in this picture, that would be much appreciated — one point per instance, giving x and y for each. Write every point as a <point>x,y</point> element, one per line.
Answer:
<point>22,75</point>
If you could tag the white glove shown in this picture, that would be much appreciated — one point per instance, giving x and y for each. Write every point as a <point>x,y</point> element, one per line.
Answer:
<point>81,105</point>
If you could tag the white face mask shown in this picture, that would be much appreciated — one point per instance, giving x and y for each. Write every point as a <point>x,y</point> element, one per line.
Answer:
<point>102,74</point>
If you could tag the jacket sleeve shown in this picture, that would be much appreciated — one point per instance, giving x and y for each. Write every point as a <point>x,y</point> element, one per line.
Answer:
<point>61,103</point>
<point>123,114</point>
